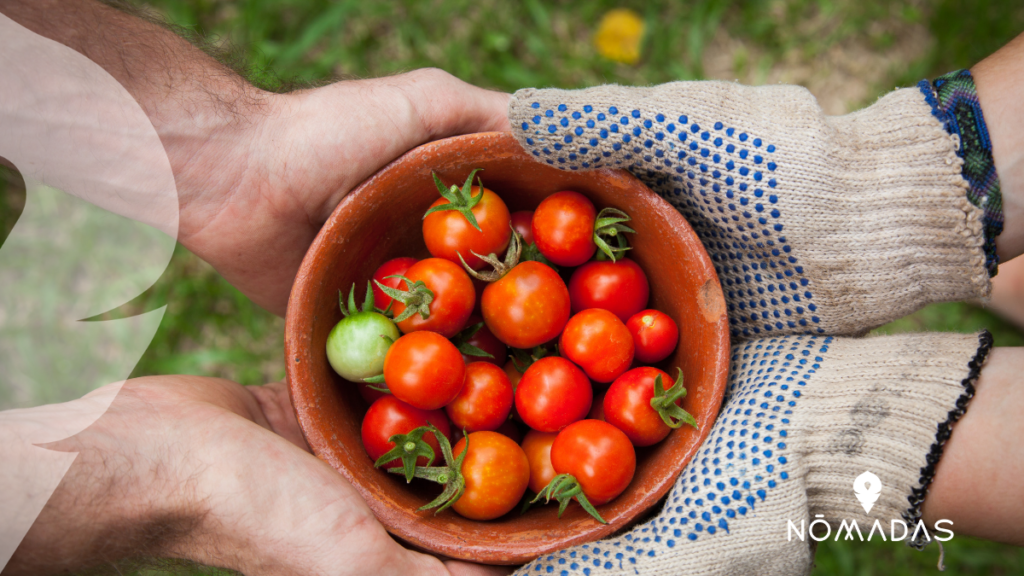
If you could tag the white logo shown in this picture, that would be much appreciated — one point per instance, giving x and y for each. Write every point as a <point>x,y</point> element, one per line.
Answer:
<point>867,487</point>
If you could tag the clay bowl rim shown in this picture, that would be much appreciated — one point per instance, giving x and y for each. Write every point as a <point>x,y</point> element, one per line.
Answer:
<point>405,526</point>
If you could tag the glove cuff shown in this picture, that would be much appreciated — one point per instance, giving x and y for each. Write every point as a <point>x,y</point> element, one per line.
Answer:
<point>884,405</point>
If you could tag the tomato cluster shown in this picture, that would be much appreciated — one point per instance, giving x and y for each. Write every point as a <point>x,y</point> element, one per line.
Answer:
<point>447,352</point>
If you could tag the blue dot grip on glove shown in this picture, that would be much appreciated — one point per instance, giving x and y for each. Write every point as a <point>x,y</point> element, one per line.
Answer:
<point>803,418</point>
<point>815,224</point>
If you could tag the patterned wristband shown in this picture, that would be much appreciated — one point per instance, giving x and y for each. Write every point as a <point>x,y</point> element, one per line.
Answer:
<point>954,101</point>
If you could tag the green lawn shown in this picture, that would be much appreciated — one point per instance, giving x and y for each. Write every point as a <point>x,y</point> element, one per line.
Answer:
<point>846,51</point>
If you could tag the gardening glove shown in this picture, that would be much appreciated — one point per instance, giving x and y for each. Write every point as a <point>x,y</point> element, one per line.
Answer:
<point>804,418</point>
<point>816,224</point>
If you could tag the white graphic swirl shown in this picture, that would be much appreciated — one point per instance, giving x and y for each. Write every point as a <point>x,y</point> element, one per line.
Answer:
<point>95,171</point>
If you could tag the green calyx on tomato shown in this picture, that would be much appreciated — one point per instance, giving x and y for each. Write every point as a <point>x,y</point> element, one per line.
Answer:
<point>408,448</point>
<point>664,403</point>
<point>449,475</point>
<point>532,254</point>
<point>512,258</point>
<point>523,359</point>
<point>610,225</point>
<point>358,344</point>
<point>459,199</point>
<point>417,298</point>
<point>565,487</point>
<point>461,341</point>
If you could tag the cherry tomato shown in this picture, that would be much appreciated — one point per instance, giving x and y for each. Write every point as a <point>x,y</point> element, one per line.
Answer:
<point>620,287</point>
<point>627,406</point>
<point>496,472</point>
<point>552,394</point>
<point>448,233</point>
<point>395,266</point>
<point>597,341</point>
<point>599,455</point>
<point>454,297</point>
<point>424,369</point>
<point>527,307</point>
<point>522,222</point>
<point>389,416</point>
<point>485,399</point>
<point>486,341</point>
<point>655,335</point>
<point>563,228</point>
<point>537,446</point>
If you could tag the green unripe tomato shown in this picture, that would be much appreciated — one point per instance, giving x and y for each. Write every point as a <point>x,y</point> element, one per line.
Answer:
<point>356,348</point>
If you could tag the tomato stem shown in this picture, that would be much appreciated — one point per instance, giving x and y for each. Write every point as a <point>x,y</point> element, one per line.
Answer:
<point>417,298</point>
<point>565,487</point>
<point>460,200</point>
<point>460,341</point>
<point>449,475</point>
<point>522,359</point>
<point>512,258</point>
<point>610,224</point>
<point>664,403</point>
<point>348,308</point>
<point>532,254</point>
<point>409,447</point>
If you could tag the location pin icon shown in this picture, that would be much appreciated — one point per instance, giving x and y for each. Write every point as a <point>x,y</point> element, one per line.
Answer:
<point>867,487</point>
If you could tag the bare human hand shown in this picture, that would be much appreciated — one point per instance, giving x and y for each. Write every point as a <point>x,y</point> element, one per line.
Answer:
<point>259,173</point>
<point>205,469</point>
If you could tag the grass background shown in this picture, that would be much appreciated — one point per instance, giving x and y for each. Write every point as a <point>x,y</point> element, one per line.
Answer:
<point>848,52</point>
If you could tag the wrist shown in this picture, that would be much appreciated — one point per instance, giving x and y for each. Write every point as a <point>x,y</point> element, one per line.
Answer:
<point>120,498</point>
<point>884,405</point>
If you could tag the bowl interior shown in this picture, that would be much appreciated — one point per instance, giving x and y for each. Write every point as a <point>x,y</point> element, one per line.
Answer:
<point>382,220</point>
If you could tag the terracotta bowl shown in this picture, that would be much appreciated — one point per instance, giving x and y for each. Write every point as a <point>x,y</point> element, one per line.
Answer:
<point>382,220</point>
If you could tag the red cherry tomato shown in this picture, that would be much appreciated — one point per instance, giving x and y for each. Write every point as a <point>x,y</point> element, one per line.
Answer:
<point>527,307</point>
<point>454,297</point>
<point>389,416</point>
<point>424,369</point>
<point>598,342</point>
<point>396,266</point>
<point>537,446</point>
<point>485,399</point>
<point>563,228</point>
<point>599,455</point>
<point>486,341</point>
<point>620,287</point>
<point>448,233</point>
<point>496,472</point>
<point>655,335</point>
<point>522,222</point>
<point>627,406</point>
<point>552,394</point>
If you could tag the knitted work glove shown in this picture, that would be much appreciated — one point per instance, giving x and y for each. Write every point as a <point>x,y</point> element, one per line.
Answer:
<point>804,417</point>
<point>815,224</point>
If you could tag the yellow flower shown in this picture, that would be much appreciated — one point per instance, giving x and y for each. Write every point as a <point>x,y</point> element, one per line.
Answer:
<point>618,36</point>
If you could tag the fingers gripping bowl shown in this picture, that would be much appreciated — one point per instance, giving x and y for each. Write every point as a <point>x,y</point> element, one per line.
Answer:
<point>381,220</point>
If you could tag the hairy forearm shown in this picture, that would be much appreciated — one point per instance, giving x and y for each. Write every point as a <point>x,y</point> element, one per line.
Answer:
<point>119,498</point>
<point>203,111</point>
